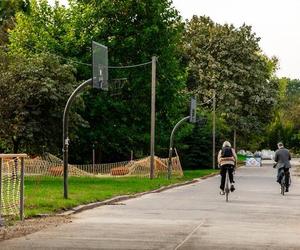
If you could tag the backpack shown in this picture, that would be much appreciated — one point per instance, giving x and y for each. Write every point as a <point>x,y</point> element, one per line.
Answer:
<point>226,152</point>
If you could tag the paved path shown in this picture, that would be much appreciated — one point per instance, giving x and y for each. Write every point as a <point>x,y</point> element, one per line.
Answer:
<point>188,217</point>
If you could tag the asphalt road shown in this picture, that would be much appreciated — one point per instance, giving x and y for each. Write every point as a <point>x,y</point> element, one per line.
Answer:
<point>189,217</point>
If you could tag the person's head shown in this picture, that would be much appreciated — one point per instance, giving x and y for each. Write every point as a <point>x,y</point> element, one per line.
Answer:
<point>226,144</point>
<point>280,145</point>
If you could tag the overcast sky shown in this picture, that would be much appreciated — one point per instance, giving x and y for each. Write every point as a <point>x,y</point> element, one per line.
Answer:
<point>277,22</point>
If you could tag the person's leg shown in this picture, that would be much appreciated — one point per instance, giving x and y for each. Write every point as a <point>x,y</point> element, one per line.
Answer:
<point>230,172</point>
<point>287,179</point>
<point>223,175</point>
<point>279,175</point>
<point>260,161</point>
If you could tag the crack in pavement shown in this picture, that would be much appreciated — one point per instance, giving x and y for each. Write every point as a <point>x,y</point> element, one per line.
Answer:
<point>190,234</point>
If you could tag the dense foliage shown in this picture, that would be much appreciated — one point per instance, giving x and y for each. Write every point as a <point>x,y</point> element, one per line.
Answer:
<point>8,9</point>
<point>228,60</point>
<point>134,33</point>
<point>285,125</point>
<point>33,92</point>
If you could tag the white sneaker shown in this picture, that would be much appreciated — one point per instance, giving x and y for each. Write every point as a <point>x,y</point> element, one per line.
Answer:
<point>222,192</point>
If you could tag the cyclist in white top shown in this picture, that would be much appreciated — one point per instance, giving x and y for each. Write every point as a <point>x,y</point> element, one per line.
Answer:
<point>227,160</point>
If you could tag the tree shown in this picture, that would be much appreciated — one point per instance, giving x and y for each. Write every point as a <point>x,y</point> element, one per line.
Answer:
<point>290,104</point>
<point>134,31</point>
<point>229,60</point>
<point>33,93</point>
<point>195,148</point>
<point>8,9</point>
<point>43,29</point>
<point>285,126</point>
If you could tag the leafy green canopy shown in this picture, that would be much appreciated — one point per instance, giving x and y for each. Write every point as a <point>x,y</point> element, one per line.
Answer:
<point>8,9</point>
<point>229,60</point>
<point>196,147</point>
<point>134,31</point>
<point>285,125</point>
<point>32,97</point>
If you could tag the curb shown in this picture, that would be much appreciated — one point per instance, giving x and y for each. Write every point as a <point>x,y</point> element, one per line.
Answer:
<point>113,200</point>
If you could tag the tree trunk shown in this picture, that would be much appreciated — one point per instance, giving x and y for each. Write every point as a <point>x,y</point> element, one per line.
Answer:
<point>16,144</point>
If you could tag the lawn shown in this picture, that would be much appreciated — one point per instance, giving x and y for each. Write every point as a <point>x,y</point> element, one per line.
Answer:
<point>45,195</point>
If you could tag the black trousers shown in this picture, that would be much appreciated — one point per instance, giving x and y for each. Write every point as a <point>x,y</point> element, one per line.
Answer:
<point>223,174</point>
<point>286,174</point>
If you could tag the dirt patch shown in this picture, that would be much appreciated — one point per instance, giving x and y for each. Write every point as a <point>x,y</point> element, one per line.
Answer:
<point>296,171</point>
<point>119,171</point>
<point>29,226</point>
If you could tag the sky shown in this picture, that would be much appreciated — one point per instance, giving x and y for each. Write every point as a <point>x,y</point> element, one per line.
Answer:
<point>276,22</point>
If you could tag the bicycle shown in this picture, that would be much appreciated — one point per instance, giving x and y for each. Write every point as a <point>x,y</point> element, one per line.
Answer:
<point>283,185</point>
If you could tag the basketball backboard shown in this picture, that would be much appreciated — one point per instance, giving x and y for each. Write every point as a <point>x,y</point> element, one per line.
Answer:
<point>100,66</point>
<point>193,110</point>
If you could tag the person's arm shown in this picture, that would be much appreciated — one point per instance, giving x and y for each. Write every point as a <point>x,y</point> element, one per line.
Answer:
<point>276,156</point>
<point>219,157</point>
<point>234,156</point>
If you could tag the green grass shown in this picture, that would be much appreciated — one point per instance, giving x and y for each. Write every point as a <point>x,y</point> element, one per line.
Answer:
<point>191,174</point>
<point>45,195</point>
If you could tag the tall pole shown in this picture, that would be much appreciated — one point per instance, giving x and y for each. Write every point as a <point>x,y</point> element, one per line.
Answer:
<point>1,166</point>
<point>22,189</point>
<point>93,158</point>
<point>234,132</point>
<point>66,131</point>
<point>152,140</point>
<point>214,129</point>
<point>234,139</point>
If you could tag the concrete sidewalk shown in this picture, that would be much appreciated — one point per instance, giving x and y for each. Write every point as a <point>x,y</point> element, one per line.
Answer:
<point>188,217</point>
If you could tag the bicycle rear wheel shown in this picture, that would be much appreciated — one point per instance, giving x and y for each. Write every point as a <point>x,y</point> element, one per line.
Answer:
<point>226,185</point>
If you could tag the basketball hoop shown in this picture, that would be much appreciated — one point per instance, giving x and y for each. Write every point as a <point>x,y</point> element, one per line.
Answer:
<point>116,85</point>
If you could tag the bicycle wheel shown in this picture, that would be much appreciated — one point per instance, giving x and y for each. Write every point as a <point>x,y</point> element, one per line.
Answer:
<point>226,185</point>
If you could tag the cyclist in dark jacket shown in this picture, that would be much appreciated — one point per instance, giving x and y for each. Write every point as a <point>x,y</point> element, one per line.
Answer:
<point>283,157</point>
<point>227,160</point>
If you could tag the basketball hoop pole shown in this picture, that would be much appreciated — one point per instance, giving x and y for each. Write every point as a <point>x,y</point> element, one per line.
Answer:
<point>172,143</point>
<point>66,131</point>
<point>192,119</point>
<point>152,139</point>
